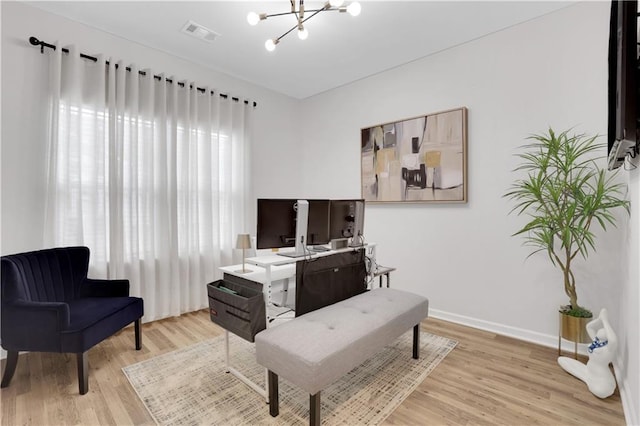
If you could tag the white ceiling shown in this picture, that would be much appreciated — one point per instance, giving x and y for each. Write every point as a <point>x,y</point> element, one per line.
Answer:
<point>340,48</point>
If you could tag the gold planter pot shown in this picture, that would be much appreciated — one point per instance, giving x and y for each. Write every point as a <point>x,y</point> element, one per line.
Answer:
<point>573,329</point>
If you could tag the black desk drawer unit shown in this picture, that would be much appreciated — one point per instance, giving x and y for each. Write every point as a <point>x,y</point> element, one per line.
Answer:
<point>237,305</point>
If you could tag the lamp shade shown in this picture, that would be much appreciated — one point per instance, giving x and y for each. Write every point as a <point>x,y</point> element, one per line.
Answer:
<point>243,241</point>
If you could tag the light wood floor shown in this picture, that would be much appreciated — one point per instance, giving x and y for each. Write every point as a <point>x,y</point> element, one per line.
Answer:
<point>487,380</point>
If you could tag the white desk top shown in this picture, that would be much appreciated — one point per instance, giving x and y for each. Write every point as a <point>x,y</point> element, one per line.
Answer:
<point>276,260</point>
<point>258,273</point>
<point>271,260</point>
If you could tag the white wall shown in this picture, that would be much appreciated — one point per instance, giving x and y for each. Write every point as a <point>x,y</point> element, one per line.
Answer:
<point>24,103</point>
<point>551,71</point>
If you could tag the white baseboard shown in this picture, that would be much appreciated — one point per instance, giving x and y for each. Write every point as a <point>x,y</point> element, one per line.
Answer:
<point>547,340</point>
<point>631,416</point>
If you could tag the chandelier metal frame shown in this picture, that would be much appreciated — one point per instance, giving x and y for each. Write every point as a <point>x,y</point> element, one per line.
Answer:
<point>253,18</point>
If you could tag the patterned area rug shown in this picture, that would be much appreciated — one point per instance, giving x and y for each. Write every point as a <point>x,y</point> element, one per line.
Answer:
<point>190,387</point>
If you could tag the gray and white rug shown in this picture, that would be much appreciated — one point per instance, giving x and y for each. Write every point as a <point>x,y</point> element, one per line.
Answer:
<point>190,387</point>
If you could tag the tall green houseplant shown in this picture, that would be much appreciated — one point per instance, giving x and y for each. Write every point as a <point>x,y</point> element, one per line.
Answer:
<point>564,193</point>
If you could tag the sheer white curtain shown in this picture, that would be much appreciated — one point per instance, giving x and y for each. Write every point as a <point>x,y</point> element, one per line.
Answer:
<point>151,176</point>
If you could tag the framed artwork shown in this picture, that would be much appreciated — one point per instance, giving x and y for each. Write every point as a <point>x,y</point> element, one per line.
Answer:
<point>421,159</point>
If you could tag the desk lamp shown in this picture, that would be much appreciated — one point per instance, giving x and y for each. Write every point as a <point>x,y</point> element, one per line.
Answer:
<point>243,242</point>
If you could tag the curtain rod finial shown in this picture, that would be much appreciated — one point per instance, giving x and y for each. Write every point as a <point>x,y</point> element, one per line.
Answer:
<point>35,42</point>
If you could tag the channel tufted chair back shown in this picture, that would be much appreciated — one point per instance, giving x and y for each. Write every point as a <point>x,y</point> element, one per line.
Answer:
<point>45,276</point>
<point>49,305</point>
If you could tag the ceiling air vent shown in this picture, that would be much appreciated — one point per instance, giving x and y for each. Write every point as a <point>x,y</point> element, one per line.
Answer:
<point>198,31</point>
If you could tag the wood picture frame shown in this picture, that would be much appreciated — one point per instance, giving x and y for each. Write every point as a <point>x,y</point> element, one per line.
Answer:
<point>417,160</point>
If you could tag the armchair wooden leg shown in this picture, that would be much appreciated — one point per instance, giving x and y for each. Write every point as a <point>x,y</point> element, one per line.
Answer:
<point>83,372</point>
<point>138,335</point>
<point>9,368</point>
<point>416,341</point>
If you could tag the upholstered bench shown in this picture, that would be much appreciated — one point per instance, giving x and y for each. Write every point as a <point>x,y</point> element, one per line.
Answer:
<point>314,350</point>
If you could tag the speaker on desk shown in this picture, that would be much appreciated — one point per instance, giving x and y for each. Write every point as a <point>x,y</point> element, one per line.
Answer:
<point>339,243</point>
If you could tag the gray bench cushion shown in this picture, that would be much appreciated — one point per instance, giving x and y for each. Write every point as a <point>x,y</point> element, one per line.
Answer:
<point>315,349</point>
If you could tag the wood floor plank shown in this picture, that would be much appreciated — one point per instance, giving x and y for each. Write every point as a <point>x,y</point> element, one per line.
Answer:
<point>487,379</point>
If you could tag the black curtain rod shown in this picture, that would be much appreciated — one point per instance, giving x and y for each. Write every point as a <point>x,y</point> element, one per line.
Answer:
<point>35,42</point>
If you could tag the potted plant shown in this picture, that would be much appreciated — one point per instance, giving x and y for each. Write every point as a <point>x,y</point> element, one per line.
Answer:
<point>565,193</point>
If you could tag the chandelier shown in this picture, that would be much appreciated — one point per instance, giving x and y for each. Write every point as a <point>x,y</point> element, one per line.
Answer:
<point>353,8</point>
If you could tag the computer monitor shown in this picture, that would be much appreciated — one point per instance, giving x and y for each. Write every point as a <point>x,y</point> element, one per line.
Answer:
<point>283,223</point>
<point>302,218</point>
<point>318,224</point>
<point>358,226</point>
<point>276,223</point>
<point>347,220</point>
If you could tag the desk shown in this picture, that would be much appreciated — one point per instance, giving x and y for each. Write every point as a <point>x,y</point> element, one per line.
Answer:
<point>274,265</point>
<point>383,271</point>
<point>259,274</point>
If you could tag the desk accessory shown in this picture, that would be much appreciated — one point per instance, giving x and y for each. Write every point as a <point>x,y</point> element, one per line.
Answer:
<point>243,242</point>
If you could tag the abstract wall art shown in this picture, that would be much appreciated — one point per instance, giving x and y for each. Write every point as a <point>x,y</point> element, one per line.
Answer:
<point>421,159</point>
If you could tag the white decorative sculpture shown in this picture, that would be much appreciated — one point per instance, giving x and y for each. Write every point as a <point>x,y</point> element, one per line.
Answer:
<point>596,373</point>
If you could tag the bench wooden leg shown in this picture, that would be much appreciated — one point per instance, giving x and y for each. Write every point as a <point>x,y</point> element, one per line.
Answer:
<point>274,408</point>
<point>416,341</point>
<point>314,409</point>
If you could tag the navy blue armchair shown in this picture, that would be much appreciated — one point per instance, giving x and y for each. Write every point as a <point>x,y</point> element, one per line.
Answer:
<point>49,305</point>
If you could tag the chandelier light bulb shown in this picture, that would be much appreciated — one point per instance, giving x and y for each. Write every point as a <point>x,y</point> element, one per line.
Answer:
<point>270,44</point>
<point>303,33</point>
<point>253,18</point>
<point>354,8</point>
<point>336,3</point>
